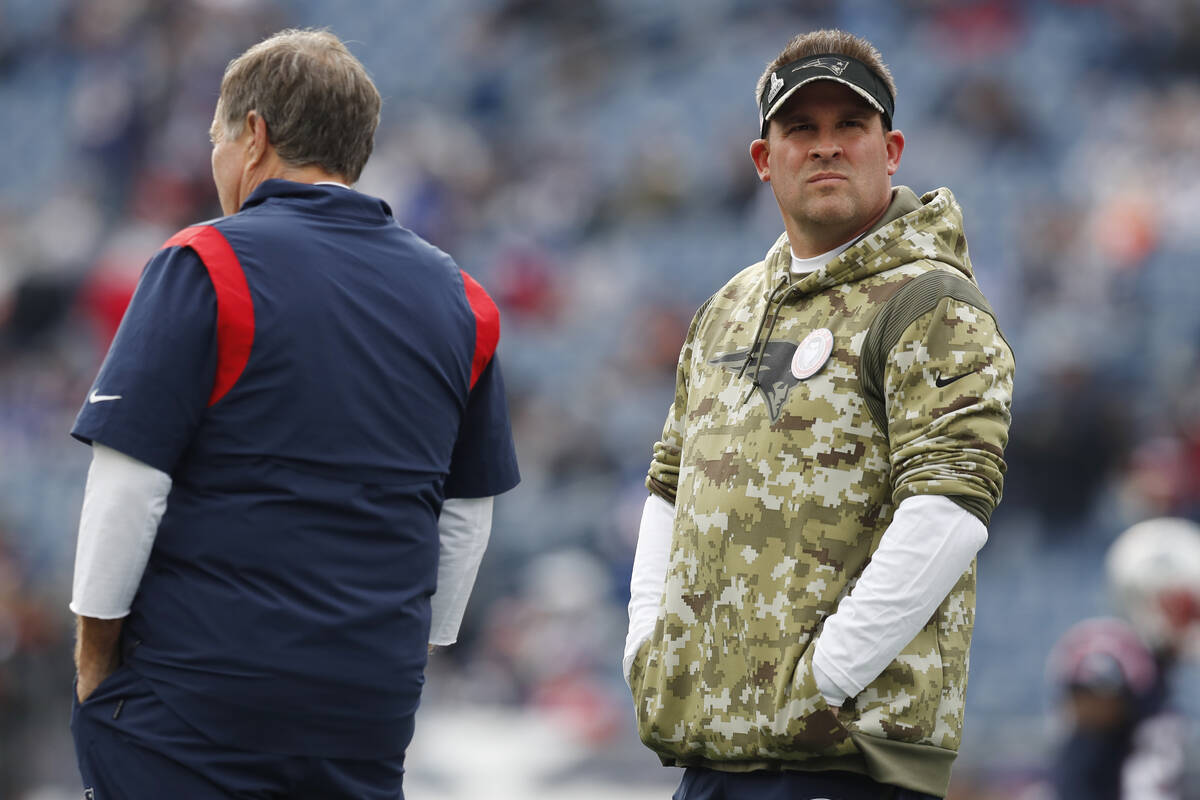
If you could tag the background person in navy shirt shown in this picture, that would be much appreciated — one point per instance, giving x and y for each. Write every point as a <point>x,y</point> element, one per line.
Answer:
<point>297,432</point>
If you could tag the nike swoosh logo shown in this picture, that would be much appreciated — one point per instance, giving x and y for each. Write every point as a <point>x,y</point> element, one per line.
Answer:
<point>100,398</point>
<point>940,381</point>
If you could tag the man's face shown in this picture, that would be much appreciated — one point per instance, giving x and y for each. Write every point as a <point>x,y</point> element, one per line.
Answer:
<point>829,162</point>
<point>228,157</point>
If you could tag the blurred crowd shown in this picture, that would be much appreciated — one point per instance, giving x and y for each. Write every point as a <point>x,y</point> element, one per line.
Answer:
<point>588,163</point>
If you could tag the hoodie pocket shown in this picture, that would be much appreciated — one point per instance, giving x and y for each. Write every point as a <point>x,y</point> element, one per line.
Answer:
<point>903,703</point>
<point>685,722</point>
<point>805,725</point>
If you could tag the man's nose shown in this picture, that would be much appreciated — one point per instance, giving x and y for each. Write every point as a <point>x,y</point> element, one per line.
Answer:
<point>825,150</point>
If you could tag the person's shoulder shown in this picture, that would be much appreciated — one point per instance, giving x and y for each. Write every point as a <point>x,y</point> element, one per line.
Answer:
<point>432,260</point>
<point>732,293</point>
<point>425,249</point>
<point>206,242</point>
<point>742,282</point>
<point>187,233</point>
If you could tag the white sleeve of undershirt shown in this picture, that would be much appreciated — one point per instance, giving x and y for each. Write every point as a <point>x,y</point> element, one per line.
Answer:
<point>123,502</point>
<point>463,531</point>
<point>922,554</point>
<point>649,575</point>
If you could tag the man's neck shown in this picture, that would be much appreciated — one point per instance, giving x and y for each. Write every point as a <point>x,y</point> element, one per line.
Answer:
<point>277,169</point>
<point>806,244</point>
<point>310,174</point>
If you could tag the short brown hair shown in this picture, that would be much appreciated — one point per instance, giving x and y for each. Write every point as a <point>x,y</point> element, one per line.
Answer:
<point>828,42</point>
<point>317,99</point>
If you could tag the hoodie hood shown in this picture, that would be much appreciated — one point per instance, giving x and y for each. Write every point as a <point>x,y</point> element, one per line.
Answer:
<point>912,229</point>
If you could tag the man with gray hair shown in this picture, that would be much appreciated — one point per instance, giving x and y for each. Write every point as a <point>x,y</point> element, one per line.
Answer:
<point>297,436</point>
<point>803,590</point>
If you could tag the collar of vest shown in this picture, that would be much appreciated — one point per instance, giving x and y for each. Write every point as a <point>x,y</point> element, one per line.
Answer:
<point>325,200</point>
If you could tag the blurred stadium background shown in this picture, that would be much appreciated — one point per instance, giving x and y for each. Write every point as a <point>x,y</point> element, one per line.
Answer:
<point>587,162</point>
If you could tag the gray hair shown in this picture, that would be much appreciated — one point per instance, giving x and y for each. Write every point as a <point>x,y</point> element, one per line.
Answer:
<point>317,99</point>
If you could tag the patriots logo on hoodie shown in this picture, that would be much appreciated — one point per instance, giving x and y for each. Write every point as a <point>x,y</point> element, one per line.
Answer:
<point>774,367</point>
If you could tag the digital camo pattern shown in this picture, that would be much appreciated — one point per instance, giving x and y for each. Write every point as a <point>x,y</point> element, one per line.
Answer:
<point>779,509</point>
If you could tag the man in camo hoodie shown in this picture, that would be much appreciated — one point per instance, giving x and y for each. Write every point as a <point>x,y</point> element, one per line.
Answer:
<point>803,591</point>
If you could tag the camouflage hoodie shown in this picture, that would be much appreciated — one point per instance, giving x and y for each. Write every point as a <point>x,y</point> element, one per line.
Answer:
<point>783,484</point>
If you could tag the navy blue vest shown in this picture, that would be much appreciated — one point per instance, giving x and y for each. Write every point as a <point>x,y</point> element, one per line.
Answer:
<point>285,607</point>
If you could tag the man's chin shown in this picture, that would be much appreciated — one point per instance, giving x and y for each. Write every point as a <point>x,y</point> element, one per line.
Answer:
<point>830,211</point>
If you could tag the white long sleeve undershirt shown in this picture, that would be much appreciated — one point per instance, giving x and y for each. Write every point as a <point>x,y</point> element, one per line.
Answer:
<point>922,554</point>
<point>463,531</point>
<point>649,575</point>
<point>122,505</point>
<point>124,502</point>
<point>929,544</point>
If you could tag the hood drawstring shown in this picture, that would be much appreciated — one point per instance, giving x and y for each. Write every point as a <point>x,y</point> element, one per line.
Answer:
<point>774,302</point>
<point>771,330</point>
<point>761,322</point>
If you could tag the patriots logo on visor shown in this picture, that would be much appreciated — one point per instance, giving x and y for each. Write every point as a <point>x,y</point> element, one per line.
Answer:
<point>835,65</point>
<point>776,85</point>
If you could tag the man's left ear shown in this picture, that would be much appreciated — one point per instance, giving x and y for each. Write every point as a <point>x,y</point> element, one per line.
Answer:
<point>894,141</point>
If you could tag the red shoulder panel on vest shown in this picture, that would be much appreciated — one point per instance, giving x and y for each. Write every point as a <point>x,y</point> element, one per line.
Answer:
<point>487,326</point>
<point>235,308</point>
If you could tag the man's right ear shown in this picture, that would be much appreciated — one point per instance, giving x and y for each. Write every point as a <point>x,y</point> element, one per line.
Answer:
<point>759,152</point>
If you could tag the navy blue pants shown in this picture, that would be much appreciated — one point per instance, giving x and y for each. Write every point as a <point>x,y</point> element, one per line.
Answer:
<point>132,747</point>
<point>708,784</point>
